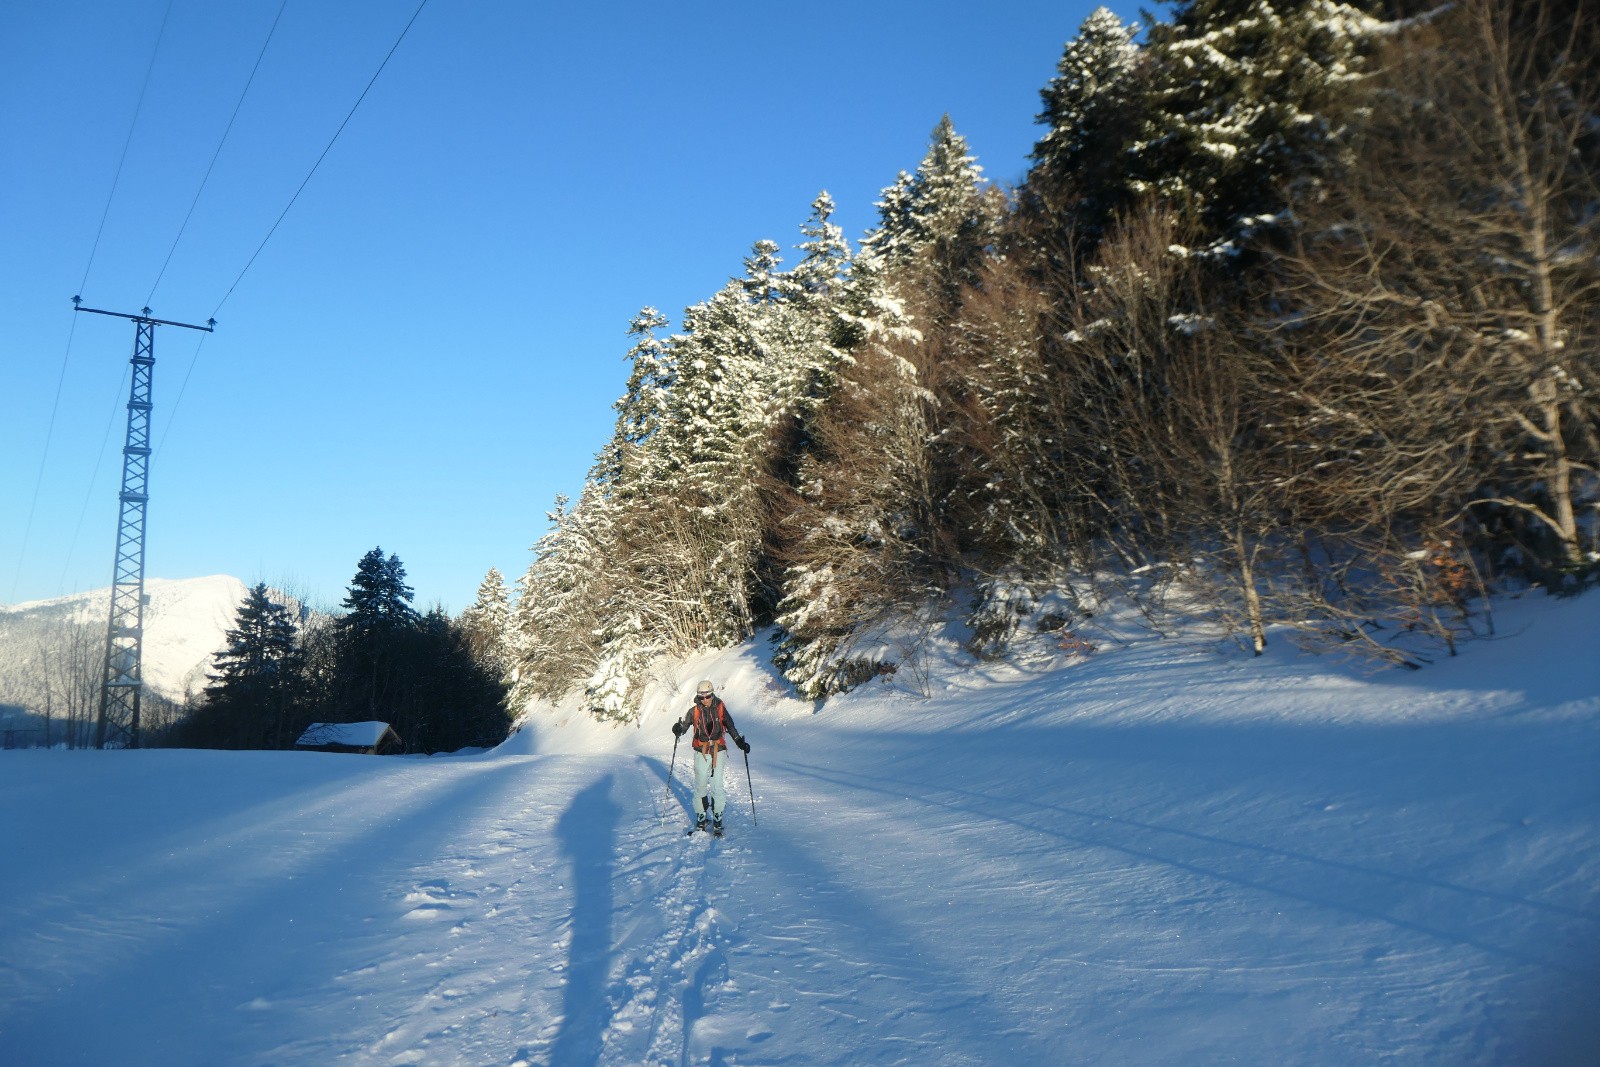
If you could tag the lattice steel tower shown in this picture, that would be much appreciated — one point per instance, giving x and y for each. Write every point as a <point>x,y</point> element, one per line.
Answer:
<point>123,686</point>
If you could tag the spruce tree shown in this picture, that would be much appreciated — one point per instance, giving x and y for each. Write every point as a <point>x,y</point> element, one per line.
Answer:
<point>488,621</point>
<point>378,599</point>
<point>1091,113</point>
<point>260,644</point>
<point>1247,103</point>
<point>373,645</point>
<point>938,213</point>
<point>559,603</point>
<point>642,405</point>
<point>254,681</point>
<point>817,278</point>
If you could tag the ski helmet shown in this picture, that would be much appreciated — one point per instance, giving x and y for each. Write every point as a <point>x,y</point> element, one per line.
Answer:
<point>706,688</point>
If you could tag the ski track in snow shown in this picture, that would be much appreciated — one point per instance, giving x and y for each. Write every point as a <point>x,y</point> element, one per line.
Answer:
<point>1041,868</point>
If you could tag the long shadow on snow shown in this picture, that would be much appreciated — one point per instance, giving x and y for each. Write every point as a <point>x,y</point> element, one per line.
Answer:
<point>135,846</point>
<point>933,996</point>
<point>588,834</point>
<point>890,947</point>
<point>938,996</point>
<point>1282,758</point>
<point>714,966</point>
<point>984,805</point>
<point>148,971</point>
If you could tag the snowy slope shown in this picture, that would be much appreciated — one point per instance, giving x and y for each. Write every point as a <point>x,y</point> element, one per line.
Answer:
<point>185,622</point>
<point>1157,855</point>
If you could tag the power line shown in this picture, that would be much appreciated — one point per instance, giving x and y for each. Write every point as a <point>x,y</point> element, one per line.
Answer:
<point>282,215</point>
<point>320,158</point>
<point>254,255</point>
<point>94,478</point>
<point>38,481</point>
<point>126,142</point>
<point>212,165</point>
<point>181,389</point>
<point>94,248</point>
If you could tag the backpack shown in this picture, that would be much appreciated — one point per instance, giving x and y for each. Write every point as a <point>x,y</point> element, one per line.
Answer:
<point>710,733</point>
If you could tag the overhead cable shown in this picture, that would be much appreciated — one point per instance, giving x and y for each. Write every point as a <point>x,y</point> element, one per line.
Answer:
<point>94,248</point>
<point>321,157</point>
<point>212,165</point>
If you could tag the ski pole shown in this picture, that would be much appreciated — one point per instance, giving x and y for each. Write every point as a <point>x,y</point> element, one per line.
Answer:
<point>751,789</point>
<point>671,768</point>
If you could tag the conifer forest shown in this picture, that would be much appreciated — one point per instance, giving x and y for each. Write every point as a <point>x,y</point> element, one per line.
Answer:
<point>1291,326</point>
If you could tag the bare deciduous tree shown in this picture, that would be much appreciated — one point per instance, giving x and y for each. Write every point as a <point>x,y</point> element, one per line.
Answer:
<point>1450,290</point>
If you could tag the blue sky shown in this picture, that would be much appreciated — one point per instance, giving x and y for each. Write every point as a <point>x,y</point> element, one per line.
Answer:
<point>426,351</point>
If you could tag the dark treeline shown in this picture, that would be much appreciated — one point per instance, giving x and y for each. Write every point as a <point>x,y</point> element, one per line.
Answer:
<point>430,677</point>
<point>1294,314</point>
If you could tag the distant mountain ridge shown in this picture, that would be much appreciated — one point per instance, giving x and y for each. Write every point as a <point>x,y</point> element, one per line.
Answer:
<point>185,624</point>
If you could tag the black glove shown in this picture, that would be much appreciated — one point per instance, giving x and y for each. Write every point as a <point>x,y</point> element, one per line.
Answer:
<point>678,728</point>
<point>743,744</point>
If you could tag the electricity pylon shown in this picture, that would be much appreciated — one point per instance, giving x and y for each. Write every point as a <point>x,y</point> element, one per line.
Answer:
<point>124,670</point>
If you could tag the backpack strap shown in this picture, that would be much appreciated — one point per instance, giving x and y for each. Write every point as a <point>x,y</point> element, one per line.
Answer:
<point>703,741</point>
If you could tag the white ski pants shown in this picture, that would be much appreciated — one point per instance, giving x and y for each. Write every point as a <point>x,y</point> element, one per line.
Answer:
<point>704,775</point>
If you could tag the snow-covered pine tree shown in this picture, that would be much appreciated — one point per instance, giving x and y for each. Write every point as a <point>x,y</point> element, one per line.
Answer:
<point>487,623</point>
<point>1246,102</point>
<point>893,239</point>
<point>873,530</point>
<point>556,619</point>
<point>643,404</point>
<point>817,278</point>
<point>739,378</point>
<point>668,548</point>
<point>626,652</point>
<point>934,226</point>
<point>812,326</point>
<point>762,268</point>
<point>753,361</point>
<point>1091,112</point>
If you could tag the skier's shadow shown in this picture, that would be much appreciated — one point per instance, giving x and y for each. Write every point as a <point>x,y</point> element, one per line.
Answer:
<point>588,832</point>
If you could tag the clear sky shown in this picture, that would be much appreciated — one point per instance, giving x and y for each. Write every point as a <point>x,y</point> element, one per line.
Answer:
<point>425,353</point>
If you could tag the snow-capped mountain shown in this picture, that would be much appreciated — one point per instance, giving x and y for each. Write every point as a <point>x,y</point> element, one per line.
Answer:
<point>185,622</point>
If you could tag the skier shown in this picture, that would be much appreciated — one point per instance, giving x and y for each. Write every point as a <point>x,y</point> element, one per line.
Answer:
<point>712,725</point>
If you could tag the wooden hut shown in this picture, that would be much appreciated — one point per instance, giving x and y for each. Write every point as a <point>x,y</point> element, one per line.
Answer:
<point>373,738</point>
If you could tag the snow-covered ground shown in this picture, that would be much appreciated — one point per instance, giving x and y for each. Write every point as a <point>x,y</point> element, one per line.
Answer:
<point>1156,855</point>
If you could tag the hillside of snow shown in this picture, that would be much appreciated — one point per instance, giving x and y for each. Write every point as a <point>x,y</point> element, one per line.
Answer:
<point>1164,853</point>
<point>185,623</point>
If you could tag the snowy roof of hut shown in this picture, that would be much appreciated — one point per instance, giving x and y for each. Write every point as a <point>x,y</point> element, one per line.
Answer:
<point>353,734</point>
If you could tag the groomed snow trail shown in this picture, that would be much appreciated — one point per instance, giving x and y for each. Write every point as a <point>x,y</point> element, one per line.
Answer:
<point>1156,856</point>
